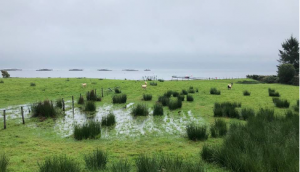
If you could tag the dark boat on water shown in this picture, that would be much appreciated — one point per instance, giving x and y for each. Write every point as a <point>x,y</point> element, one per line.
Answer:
<point>75,69</point>
<point>44,70</point>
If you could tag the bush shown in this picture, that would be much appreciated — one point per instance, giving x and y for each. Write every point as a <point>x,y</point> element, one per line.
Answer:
<point>281,103</point>
<point>1,82</point>
<point>215,91</point>
<point>181,97</point>
<point>184,92</point>
<point>59,164</point>
<point>168,93</point>
<point>43,109</point>
<point>246,93</point>
<point>153,83</point>
<point>80,101</point>
<point>272,93</point>
<point>4,161</point>
<point>175,94</point>
<point>286,73</point>
<point>164,100</point>
<point>147,97</point>
<point>196,132</point>
<point>5,74</point>
<point>90,106</point>
<point>158,109</point>
<point>140,110</point>
<point>32,84</point>
<point>175,104</point>
<point>189,98</point>
<point>96,160</point>
<point>121,166</point>
<point>109,120</point>
<point>161,80</point>
<point>119,98</point>
<point>226,109</point>
<point>219,129</point>
<point>89,130</point>
<point>91,95</point>
<point>59,103</point>
<point>117,90</point>
<point>270,79</point>
<point>247,113</point>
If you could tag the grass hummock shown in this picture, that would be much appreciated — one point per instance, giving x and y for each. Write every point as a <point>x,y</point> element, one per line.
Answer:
<point>140,110</point>
<point>80,100</point>
<point>121,98</point>
<point>218,129</point>
<point>226,109</point>
<point>214,91</point>
<point>184,92</point>
<point>89,130</point>
<point>32,84</point>
<point>147,97</point>
<point>164,100</point>
<point>175,94</point>
<point>121,166</point>
<point>196,133</point>
<point>59,164</point>
<point>90,106</point>
<point>189,98</point>
<point>168,93</point>
<point>158,109</point>
<point>175,103</point>
<point>96,160</point>
<point>273,93</point>
<point>108,120</point>
<point>4,161</point>
<point>59,103</point>
<point>281,103</point>
<point>246,93</point>
<point>43,109</point>
<point>247,113</point>
<point>117,91</point>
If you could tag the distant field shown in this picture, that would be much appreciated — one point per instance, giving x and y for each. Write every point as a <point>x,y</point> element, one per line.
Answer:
<point>26,145</point>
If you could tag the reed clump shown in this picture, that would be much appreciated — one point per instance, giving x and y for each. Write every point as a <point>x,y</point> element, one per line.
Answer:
<point>168,93</point>
<point>214,91</point>
<point>147,97</point>
<point>247,113</point>
<point>89,130</point>
<point>43,109</point>
<point>184,92</point>
<point>118,91</point>
<point>32,84</point>
<point>59,103</point>
<point>246,93</point>
<point>121,98</point>
<point>91,95</point>
<point>175,103</point>
<point>59,164</point>
<point>96,160</point>
<point>226,109</point>
<point>195,132</point>
<point>281,103</point>
<point>80,100</point>
<point>158,109</point>
<point>175,94</point>
<point>90,106</point>
<point>121,166</point>
<point>4,161</point>
<point>140,110</point>
<point>189,98</point>
<point>218,129</point>
<point>108,120</point>
<point>164,100</point>
<point>273,93</point>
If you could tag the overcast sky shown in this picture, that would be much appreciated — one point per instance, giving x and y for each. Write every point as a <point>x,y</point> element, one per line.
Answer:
<point>214,34</point>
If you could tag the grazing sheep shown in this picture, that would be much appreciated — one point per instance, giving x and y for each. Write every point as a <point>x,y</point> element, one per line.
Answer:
<point>229,86</point>
<point>144,86</point>
<point>84,85</point>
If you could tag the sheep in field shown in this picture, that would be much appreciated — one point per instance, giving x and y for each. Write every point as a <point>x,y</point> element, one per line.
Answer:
<point>84,85</point>
<point>144,86</point>
<point>229,86</point>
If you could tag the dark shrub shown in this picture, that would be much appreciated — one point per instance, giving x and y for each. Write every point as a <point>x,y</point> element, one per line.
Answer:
<point>147,97</point>
<point>43,109</point>
<point>247,113</point>
<point>59,103</point>
<point>226,109</point>
<point>59,164</point>
<point>1,82</point>
<point>175,104</point>
<point>90,106</point>
<point>195,132</point>
<point>119,98</point>
<point>4,161</point>
<point>270,79</point>
<point>273,93</point>
<point>109,120</point>
<point>181,97</point>
<point>91,95</point>
<point>189,98</point>
<point>184,92</point>
<point>286,73</point>
<point>175,94</point>
<point>158,109</point>
<point>215,91</point>
<point>219,129</point>
<point>281,103</point>
<point>140,110</point>
<point>5,74</point>
<point>164,100</point>
<point>246,93</point>
<point>153,83</point>
<point>80,101</point>
<point>168,93</point>
<point>96,160</point>
<point>89,130</point>
<point>191,91</point>
<point>117,90</point>
<point>161,80</point>
<point>32,84</point>
<point>121,166</point>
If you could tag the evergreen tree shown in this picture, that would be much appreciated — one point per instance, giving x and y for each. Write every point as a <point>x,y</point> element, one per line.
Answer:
<point>290,53</point>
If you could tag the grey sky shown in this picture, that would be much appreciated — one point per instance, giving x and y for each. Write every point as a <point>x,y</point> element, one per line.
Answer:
<point>145,33</point>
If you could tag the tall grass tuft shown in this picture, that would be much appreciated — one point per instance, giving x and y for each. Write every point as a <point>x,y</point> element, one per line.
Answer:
<point>181,97</point>
<point>4,161</point>
<point>80,101</point>
<point>191,91</point>
<point>218,129</point>
<point>117,91</point>
<point>90,106</point>
<point>32,84</point>
<point>272,93</point>
<point>164,100</point>
<point>109,120</point>
<point>168,93</point>
<point>189,98</point>
<point>175,94</point>
<point>59,164</point>
<point>215,91</point>
<point>247,113</point>
<point>208,153</point>
<point>1,82</point>
<point>140,110</point>
<point>246,93</point>
<point>197,90</point>
<point>158,109</point>
<point>175,103</point>
<point>147,97</point>
<point>91,96</point>
<point>184,92</point>
<point>96,160</point>
<point>89,130</point>
<point>43,109</point>
<point>153,83</point>
<point>119,98</point>
<point>296,108</point>
<point>226,109</point>
<point>121,166</point>
<point>281,103</point>
<point>59,103</point>
<point>196,133</point>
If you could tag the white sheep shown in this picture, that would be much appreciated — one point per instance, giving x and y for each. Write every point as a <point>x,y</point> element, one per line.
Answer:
<point>229,86</point>
<point>84,85</point>
<point>144,86</point>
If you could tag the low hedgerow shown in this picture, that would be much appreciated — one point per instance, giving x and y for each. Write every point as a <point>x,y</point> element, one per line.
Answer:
<point>153,83</point>
<point>247,113</point>
<point>175,94</point>
<point>281,103</point>
<point>147,97</point>
<point>273,93</point>
<point>43,109</point>
<point>80,100</point>
<point>184,92</point>
<point>189,98</point>
<point>158,109</point>
<point>108,120</point>
<point>96,160</point>
<point>59,164</point>
<point>89,130</point>
<point>117,91</point>
<point>4,161</point>
<point>195,132</point>
<point>226,109</point>
<point>32,84</point>
<point>218,129</point>
<point>90,106</point>
<point>59,103</point>
<point>215,91</point>
<point>168,93</point>
<point>119,98</point>
<point>91,95</point>
<point>164,100</point>
<point>246,93</point>
<point>175,103</point>
<point>140,110</point>
<point>121,166</point>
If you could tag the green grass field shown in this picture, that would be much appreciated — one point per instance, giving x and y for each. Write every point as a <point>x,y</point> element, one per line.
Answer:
<point>27,145</point>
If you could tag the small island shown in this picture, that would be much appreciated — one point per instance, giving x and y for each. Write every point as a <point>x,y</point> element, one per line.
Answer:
<point>147,70</point>
<point>130,70</point>
<point>12,69</point>
<point>44,70</point>
<point>75,69</point>
<point>104,70</point>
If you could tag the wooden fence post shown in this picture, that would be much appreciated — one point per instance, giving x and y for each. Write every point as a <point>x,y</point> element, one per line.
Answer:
<point>63,104</point>
<point>22,112</point>
<point>4,119</point>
